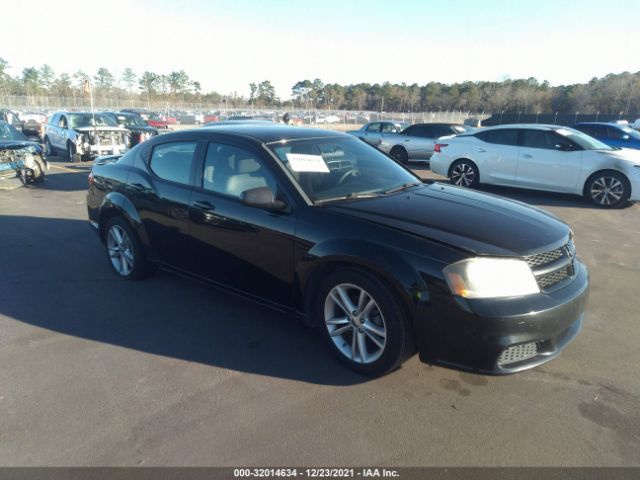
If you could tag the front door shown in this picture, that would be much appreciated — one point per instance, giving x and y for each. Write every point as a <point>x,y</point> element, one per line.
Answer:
<point>548,161</point>
<point>246,248</point>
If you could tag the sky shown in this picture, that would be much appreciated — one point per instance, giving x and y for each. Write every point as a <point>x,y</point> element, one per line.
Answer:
<point>225,45</point>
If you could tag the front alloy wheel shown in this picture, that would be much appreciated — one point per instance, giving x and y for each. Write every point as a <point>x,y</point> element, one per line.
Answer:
<point>608,190</point>
<point>363,321</point>
<point>355,323</point>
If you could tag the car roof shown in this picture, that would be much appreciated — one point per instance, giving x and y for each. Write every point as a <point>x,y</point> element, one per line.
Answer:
<point>267,133</point>
<point>603,124</point>
<point>530,126</point>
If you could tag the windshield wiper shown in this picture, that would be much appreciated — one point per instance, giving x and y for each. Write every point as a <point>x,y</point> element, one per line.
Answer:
<point>350,196</point>
<point>404,186</point>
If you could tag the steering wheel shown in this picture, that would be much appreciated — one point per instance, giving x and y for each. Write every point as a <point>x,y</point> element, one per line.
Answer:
<point>344,176</point>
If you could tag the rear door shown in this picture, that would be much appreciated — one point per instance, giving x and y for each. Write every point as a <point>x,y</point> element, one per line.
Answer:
<point>497,155</point>
<point>419,141</point>
<point>162,200</point>
<point>548,161</point>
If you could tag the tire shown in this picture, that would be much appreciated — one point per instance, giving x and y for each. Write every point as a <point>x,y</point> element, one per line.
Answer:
<point>72,155</point>
<point>124,250</point>
<point>464,173</point>
<point>48,148</point>
<point>607,189</point>
<point>384,331</point>
<point>400,154</point>
<point>38,171</point>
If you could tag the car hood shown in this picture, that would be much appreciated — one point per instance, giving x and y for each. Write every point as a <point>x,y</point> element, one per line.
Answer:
<point>625,154</point>
<point>480,223</point>
<point>15,144</point>
<point>99,129</point>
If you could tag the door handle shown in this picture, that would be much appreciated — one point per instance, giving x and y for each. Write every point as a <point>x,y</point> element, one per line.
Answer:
<point>203,205</point>
<point>481,150</point>
<point>526,155</point>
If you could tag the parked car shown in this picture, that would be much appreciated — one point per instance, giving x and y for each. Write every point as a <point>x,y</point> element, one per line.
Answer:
<point>140,130</point>
<point>84,135</point>
<point>417,142</point>
<point>541,157</point>
<point>318,223</point>
<point>33,124</point>
<point>373,132</point>
<point>10,117</point>
<point>612,134</point>
<point>152,118</point>
<point>19,157</point>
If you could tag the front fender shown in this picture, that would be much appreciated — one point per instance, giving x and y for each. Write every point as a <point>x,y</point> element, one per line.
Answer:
<point>116,202</point>
<point>377,258</point>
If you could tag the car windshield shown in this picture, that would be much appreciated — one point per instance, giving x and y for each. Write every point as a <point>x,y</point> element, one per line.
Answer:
<point>7,132</point>
<point>583,140</point>
<point>631,132</point>
<point>81,120</point>
<point>340,168</point>
<point>131,120</point>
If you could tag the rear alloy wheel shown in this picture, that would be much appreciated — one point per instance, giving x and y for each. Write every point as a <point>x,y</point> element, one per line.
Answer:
<point>363,322</point>
<point>608,189</point>
<point>464,173</point>
<point>124,250</point>
<point>400,154</point>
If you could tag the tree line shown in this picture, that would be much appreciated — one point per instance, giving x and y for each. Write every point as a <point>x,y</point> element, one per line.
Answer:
<point>613,93</point>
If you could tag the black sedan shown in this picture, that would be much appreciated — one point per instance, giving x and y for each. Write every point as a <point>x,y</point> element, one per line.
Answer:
<point>324,226</point>
<point>140,130</point>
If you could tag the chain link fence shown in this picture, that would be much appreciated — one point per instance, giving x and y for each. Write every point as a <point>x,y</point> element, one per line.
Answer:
<point>227,108</point>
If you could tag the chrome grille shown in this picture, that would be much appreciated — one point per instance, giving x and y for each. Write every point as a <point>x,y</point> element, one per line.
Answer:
<point>551,279</point>
<point>518,353</point>
<point>543,258</point>
<point>552,267</point>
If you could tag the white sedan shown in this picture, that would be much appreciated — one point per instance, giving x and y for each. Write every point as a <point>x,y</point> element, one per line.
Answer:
<point>541,157</point>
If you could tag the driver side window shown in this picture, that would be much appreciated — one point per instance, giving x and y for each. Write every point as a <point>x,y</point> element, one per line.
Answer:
<point>231,170</point>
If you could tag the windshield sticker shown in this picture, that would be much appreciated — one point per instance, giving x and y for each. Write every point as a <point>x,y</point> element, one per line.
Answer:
<point>301,162</point>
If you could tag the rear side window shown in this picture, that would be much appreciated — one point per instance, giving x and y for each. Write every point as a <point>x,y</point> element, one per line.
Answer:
<point>374,128</point>
<point>424,131</point>
<point>173,161</point>
<point>503,136</point>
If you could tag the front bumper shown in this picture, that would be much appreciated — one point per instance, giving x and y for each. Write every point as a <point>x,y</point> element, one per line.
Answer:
<point>501,336</point>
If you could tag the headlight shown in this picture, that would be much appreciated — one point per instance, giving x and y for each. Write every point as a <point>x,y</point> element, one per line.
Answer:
<point>482,277</point>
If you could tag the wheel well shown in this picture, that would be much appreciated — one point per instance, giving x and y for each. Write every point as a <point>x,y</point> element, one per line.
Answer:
<point>600,172</point>
<point>322,271</point>
<point>107,215</point>
<point>398,147</point>
<point>458,160</point>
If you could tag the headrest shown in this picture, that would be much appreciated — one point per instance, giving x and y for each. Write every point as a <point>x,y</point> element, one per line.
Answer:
<point>246,165</point>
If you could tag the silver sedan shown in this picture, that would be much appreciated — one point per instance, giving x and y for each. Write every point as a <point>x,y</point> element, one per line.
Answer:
<point>374,132</point>
<point>418,141</point>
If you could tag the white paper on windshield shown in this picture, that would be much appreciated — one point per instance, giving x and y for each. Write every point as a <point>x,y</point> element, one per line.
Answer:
<point>301,162</point>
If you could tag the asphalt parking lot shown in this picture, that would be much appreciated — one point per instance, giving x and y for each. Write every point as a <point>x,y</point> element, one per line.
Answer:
<point>99,371</point>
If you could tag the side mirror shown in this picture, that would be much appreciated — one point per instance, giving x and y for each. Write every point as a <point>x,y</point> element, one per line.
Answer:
<point>262,197</point>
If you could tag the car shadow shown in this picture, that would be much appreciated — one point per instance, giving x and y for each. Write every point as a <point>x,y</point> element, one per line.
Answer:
<point>62,182</point>
<point>56,276</point>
